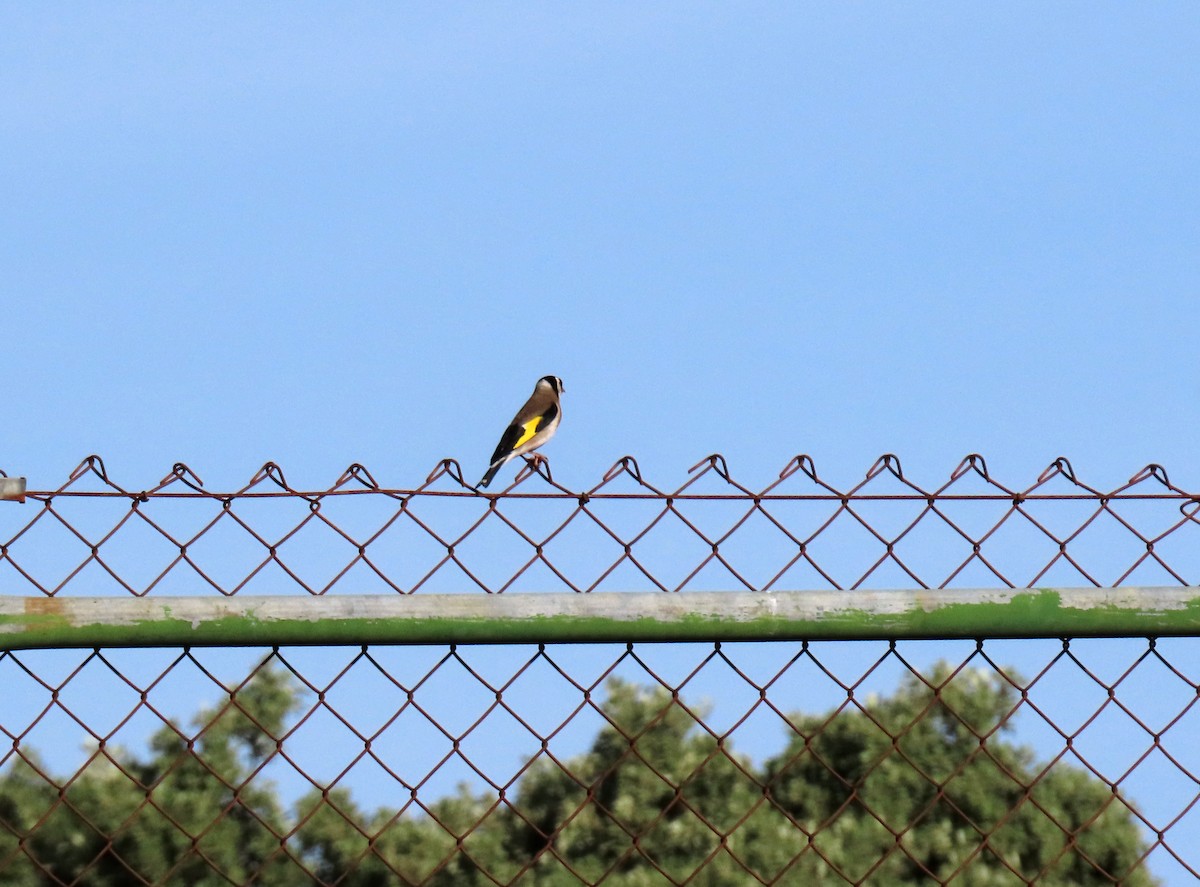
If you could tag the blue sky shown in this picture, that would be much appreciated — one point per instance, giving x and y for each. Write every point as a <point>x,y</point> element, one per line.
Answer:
<point>237,234</point>
<point>320,235</point>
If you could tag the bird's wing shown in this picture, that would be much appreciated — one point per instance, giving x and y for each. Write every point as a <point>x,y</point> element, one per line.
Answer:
<point>522,432</point>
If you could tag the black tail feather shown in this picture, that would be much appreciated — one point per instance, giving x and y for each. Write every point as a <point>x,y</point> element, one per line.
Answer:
<point>491,472</point>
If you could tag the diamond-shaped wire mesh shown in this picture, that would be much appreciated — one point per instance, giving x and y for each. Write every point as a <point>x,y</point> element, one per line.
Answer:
<point>981,762</point>
<point>92,536</point>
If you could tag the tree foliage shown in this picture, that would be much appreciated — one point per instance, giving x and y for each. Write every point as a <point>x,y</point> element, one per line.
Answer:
<point>915,787</point>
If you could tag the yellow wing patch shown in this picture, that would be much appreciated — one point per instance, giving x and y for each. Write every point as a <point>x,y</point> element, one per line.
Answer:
<point>528,430</point>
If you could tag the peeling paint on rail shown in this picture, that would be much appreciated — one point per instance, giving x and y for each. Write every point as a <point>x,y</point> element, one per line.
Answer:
<point>40,622</point>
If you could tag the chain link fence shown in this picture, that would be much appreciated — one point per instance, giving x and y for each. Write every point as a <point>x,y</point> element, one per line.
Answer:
<point>971,761</point>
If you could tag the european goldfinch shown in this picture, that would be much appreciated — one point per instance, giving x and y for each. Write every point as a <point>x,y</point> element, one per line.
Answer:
<point>533,425</point>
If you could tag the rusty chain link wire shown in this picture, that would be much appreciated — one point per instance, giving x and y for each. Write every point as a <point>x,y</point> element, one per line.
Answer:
<point>93,536</point>
<point>777,763</point>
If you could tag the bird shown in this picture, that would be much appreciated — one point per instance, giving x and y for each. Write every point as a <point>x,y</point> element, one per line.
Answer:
<point>533,425</point>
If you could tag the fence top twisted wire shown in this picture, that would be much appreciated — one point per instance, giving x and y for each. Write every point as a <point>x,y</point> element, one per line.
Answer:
<point>357,478</point>
<point>708,533</point>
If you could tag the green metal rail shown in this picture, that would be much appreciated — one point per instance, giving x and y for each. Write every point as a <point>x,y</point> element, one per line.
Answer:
<point>79,622</point>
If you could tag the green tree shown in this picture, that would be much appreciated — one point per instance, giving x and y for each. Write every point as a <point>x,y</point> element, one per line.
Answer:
<point>649,804</point>
<point>917,786</point>
<point>191,813</point>
<point>922,785</point>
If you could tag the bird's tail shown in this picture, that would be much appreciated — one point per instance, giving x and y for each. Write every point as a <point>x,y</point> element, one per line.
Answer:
<point>491,472</point>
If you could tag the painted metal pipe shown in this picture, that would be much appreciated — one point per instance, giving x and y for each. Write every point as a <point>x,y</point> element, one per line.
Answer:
<point>644,617</point>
